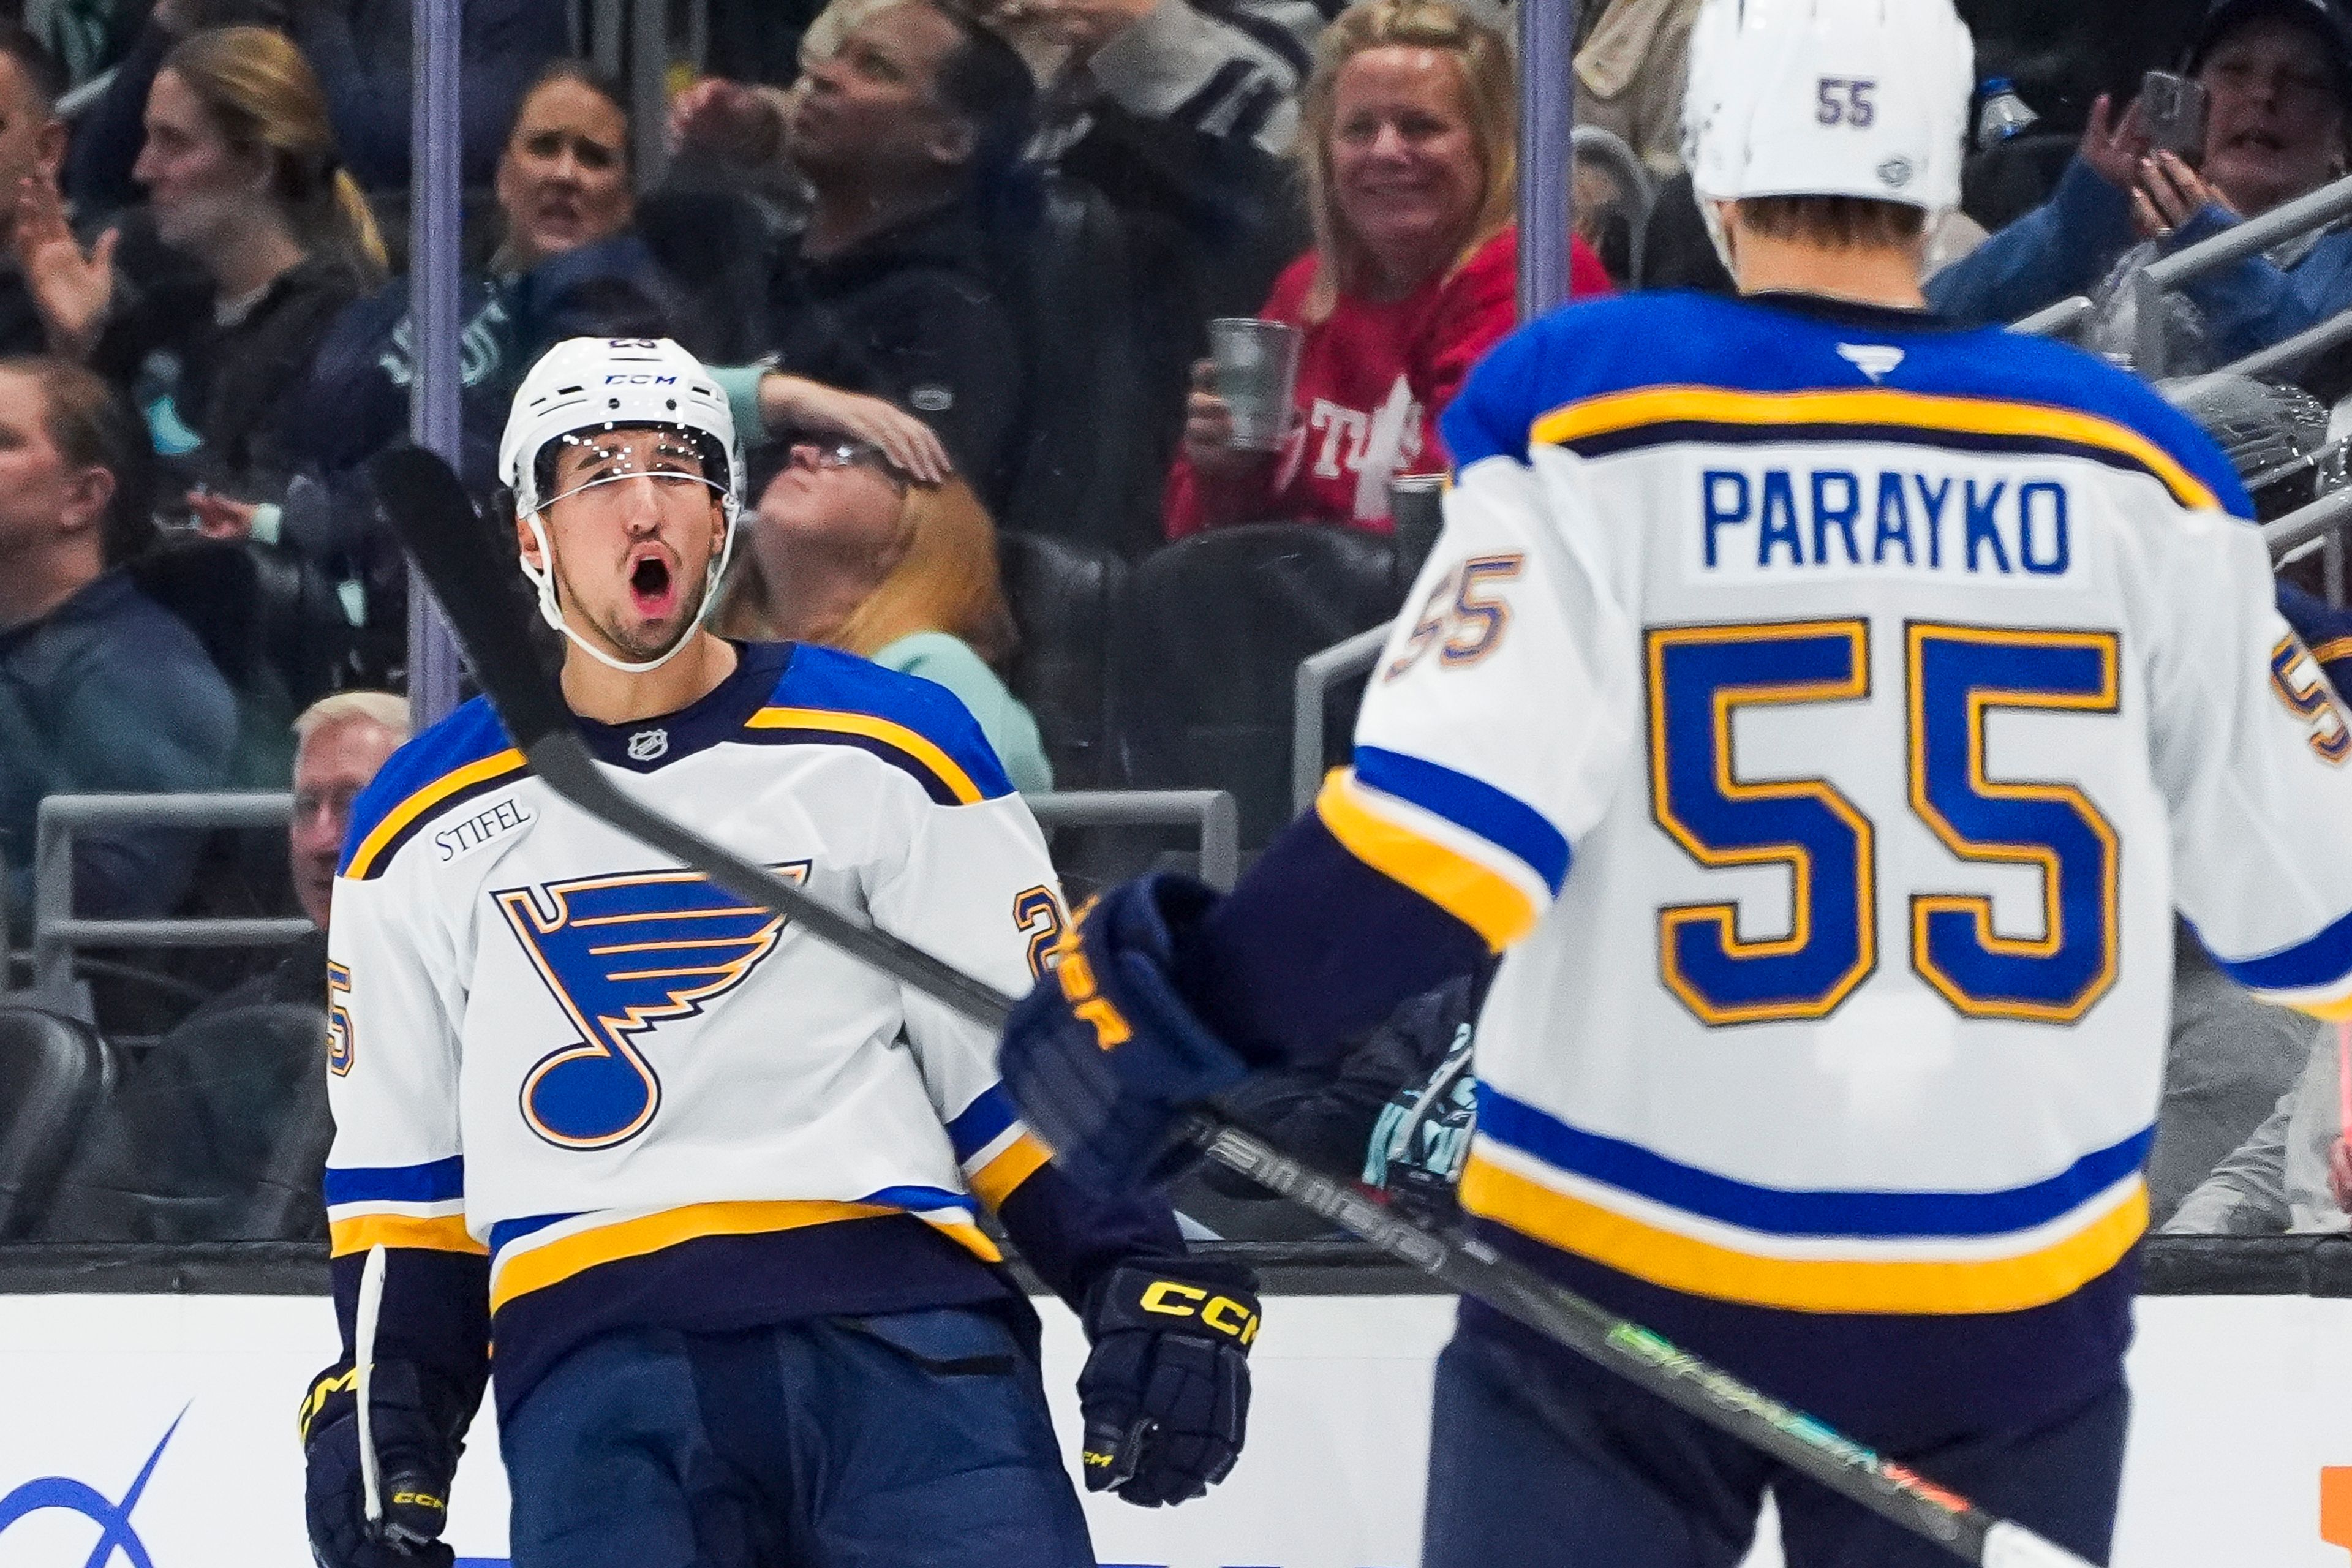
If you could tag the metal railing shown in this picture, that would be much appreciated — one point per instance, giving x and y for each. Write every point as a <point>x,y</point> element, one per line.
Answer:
<point>1318,673</point>
<point>1214,811</point>
<point>58,933</point>
<point>2240,240</point>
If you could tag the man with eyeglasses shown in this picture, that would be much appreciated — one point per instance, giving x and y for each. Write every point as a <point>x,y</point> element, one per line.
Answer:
<point>2277,75</point>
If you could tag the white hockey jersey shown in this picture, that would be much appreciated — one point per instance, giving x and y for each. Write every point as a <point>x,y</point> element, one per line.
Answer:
<point>1828,710</point>
<point>633,1094</point>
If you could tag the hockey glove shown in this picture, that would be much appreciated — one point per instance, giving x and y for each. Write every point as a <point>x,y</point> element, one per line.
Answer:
<point>1103,1054</point>
<point>1165,1395</point>
<point>416,1452</point>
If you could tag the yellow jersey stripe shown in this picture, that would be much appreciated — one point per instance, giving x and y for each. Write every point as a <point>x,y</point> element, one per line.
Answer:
<point>1881,405</point>
<point>2332,649</point>
<point>1697,1267</point>
<point>400,817</point>
<point>2333,1009</point>
<point>994,1182</point>
<point>1477,896</point>
<point>897,736</point>
<point>521,1271</point>
<point>437,1233</point>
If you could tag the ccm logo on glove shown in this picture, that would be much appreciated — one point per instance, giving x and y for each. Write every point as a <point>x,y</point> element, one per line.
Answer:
<point>1078,980</point>
<point>1222,1313</point>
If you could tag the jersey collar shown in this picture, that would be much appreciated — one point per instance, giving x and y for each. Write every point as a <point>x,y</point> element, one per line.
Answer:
<point>649,744</point>
<point>1852,313</point>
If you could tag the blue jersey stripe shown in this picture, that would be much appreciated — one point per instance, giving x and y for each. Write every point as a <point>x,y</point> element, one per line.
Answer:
<point>1600,348</point>
<point>1472,804</point>
<point>920,1200</point>
<point>2324,960</point>
<point>982,1121</point>
<point>1783,1212</point>
<point>437,1181</point>
<point>512,1230</point>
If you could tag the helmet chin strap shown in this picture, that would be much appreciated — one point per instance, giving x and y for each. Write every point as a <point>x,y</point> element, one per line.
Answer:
<point>543,578</point>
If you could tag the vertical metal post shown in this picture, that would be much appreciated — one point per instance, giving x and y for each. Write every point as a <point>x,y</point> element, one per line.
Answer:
<point>1547,158</point>
<point>649,87</point>
<point>435,230</point>
<point>2331,567</point>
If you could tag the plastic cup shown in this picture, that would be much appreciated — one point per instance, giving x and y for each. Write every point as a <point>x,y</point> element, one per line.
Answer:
<point>1256,372</point>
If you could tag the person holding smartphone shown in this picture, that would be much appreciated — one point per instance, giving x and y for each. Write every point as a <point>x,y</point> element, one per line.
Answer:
<point>2256,117</point>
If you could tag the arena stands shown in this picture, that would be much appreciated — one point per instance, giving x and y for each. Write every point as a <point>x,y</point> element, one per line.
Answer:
<point>983,236</point>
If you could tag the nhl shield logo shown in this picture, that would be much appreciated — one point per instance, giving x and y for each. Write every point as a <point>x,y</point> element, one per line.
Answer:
<point>648,746</point>
<point>1896,173</point>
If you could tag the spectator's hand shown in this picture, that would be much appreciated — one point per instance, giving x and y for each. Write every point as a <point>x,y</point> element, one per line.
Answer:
<point>2339,1173</point>
<point>727,120</point>
<point>2169,193</point>
<point>221,517</point>
<point>72,289</point>
<point>1209,428</point>
<point>2114,144</point>
<point>796,402</point>
<point>1082,27</point>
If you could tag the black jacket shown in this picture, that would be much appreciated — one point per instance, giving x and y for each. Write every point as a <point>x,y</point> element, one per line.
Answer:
<point>237,385</point>
<point>917,314</point>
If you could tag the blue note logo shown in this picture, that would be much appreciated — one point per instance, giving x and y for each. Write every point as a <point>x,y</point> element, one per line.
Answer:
<point>623,955</point>
<point>115,1536</point>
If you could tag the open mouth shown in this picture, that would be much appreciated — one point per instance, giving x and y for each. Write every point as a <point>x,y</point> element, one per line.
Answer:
<point>652,588</point>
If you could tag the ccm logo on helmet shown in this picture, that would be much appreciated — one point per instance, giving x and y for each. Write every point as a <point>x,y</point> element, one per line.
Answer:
<point>639,378</point>
<point>1222,1314</point>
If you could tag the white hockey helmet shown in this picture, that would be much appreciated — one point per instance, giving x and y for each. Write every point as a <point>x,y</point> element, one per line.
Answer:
<point>585,384</point>
<point>1828,98</point>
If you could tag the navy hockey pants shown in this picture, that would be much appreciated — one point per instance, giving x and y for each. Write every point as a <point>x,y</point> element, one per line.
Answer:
<point>904,1441</point>
<point>1529,1470</point>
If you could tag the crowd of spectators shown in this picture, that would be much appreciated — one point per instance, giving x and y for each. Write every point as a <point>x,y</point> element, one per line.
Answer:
<point>954,263</point>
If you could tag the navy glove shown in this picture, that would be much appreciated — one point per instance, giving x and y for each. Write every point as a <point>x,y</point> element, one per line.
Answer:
<point>416,1445</point>
<point>1104,1055</point>
<point>1165,1395</point>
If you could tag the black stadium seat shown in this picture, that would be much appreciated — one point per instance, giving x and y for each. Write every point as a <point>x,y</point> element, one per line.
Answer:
<point>1108,351</point>
<point>1063,594</point>
<point>219,1134</point>
<point>53,1073</point>
<point>1205,651</point>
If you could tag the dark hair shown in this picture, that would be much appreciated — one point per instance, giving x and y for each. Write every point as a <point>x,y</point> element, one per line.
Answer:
<point>588,74</point>
<point>1834,223</point>
<point>92,426</point>
<point>42,72</point>
<point>985,82</point>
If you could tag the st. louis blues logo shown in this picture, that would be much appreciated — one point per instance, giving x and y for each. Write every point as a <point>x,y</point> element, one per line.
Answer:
<point>624,955</point>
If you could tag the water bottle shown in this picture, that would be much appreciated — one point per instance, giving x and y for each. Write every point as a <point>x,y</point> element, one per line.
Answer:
<point>2004,113</point>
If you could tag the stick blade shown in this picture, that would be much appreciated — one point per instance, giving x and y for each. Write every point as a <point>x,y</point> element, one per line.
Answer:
<point>454,548</point>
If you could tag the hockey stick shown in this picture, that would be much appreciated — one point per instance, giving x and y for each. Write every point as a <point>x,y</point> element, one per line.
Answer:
<point>371,1305</point>
<point>432,514</point>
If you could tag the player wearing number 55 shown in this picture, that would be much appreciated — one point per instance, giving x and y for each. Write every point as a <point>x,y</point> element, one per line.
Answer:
<point>713,1188</point>
<point>1823,709</point>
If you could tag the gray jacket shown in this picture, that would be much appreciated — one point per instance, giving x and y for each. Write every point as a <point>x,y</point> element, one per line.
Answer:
<point>2277,1179</point>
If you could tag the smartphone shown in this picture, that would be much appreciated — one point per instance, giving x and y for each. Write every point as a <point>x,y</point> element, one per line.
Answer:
<point>2172,112</point>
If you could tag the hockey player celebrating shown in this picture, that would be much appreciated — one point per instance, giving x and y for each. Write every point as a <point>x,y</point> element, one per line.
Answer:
<point>709,1185</point>
<point>1825,710</point>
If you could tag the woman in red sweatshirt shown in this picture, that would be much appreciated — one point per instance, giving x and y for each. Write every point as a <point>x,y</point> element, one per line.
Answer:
<point>1409,141</point>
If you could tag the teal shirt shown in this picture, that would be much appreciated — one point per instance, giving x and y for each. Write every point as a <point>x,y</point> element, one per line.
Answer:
<point>949,661</point>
